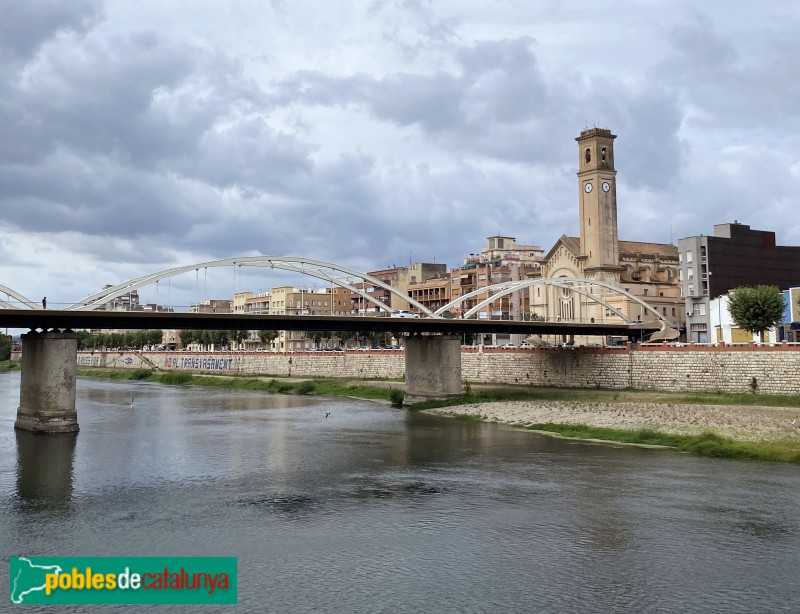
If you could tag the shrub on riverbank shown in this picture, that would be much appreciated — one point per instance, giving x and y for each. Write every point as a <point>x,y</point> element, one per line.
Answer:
<point>396,397</point>
<point>174,377</point>
<point>305,387</point>
<point>9,365</point>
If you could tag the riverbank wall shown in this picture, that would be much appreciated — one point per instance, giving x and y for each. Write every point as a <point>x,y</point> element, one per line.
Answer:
<point>768,370</point>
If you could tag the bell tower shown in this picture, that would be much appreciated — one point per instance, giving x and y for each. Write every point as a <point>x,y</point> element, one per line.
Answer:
<point>597,195</point>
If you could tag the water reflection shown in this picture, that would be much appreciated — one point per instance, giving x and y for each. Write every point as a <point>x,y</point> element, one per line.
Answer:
<point>45,467</point>
<point>377,509</point>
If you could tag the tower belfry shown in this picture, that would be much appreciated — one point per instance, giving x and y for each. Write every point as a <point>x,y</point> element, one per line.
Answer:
<point>597,195</point>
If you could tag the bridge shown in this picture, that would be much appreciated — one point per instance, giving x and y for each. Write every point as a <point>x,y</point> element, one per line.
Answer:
<point>432,357</point>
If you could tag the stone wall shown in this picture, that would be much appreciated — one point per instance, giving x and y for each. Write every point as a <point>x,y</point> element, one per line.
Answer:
<point>356,365</point>
<point>776,369</point>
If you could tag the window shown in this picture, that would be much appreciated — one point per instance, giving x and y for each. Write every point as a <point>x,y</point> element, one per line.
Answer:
<point>664,311</point>
<point>499,243</point>
<point>691,290</point>
<point>673,311</point>
<point>644,292</point>
<point>688,257</point>
<point>456,281</point>
<point>690,273</point>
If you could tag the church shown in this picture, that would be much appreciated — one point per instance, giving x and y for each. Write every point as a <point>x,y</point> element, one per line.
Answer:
<point>648,271</point>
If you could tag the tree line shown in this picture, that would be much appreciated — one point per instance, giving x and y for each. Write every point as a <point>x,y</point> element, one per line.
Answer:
<point>133,339</point>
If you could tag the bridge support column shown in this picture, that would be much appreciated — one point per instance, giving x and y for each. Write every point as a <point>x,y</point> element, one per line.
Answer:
<point>47,389</point>
<point>433,368</point>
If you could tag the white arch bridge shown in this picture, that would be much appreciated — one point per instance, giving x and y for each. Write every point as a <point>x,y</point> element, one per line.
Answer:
<point>432,356</point>
<point>593,290</point>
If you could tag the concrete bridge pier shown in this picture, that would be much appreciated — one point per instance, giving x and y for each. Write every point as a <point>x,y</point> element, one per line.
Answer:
<point>433,368</point>
<point>47,389</point>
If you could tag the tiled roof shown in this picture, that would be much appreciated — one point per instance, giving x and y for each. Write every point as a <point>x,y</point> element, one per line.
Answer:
<point>637,247</point>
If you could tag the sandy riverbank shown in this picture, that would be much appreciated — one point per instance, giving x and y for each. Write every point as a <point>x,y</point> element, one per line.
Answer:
<point>745,423</point>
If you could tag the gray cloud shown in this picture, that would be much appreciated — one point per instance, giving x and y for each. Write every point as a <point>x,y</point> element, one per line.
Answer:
<point>132,142</point>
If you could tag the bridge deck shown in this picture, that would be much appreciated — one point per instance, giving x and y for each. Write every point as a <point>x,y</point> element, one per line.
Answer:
<point>137,320</point>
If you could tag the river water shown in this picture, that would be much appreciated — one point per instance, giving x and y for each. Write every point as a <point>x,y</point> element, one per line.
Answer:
<point>375,509</point>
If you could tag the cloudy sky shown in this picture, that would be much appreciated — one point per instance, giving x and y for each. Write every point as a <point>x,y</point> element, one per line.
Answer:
<point>138,135</point>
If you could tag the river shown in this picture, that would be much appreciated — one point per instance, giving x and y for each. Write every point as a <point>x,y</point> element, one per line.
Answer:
<point>376,509</point>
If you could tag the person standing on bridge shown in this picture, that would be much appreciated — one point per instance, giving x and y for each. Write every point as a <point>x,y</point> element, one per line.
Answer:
<point>44,302</point>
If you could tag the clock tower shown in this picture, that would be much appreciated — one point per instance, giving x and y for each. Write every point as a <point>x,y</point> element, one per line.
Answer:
<point>597,195</point>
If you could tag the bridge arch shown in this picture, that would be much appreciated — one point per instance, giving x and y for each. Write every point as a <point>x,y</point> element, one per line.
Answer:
<point>325,271</point>
<point>573,283</point>
<point>25,302</point>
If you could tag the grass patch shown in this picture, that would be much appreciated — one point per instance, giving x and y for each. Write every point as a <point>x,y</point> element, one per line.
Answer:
<point>319,387</point>
<point>306,387</point>
<point>175,378</point>
<point>704,444</point>
<point>114,373</point>
<point>141,374</point>
<point>9,365</point>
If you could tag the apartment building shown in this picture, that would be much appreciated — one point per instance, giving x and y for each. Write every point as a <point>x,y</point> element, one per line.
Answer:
<point>213,305</point>
<point>735,255</point>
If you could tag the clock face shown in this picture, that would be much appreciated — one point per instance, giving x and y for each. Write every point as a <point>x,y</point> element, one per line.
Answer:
<point>588,187</point>
<point>606,187</point>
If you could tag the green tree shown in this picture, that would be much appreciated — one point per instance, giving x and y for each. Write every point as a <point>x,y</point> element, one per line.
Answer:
<point>139,339</point>
<point>532,317</point>
<point>268,336</point>
<point>155,336</point>
<point>238,336</point>
<point>344,335</point>
<point>5,347</point>
<point>186,337</point>
<point>85,339</point>
<point>756,308</point>
<point>314,335</point>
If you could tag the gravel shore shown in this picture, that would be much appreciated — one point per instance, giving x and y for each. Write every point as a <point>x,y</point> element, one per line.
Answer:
<point>741,422</point>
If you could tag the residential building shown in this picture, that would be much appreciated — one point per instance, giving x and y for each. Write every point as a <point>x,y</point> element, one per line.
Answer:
<point>401,278</point>
<point>213,305</point>
<point>790,328</point>
<point>289,300</point>
<point>735,255</point>
<point>240,301</point>
<point>431,293</point>
<point>725,330</point>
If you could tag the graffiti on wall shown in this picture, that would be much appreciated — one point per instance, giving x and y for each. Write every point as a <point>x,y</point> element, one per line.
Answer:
<point>204,363</point>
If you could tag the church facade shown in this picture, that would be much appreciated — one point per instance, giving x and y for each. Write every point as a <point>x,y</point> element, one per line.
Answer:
<point>648,271</point>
